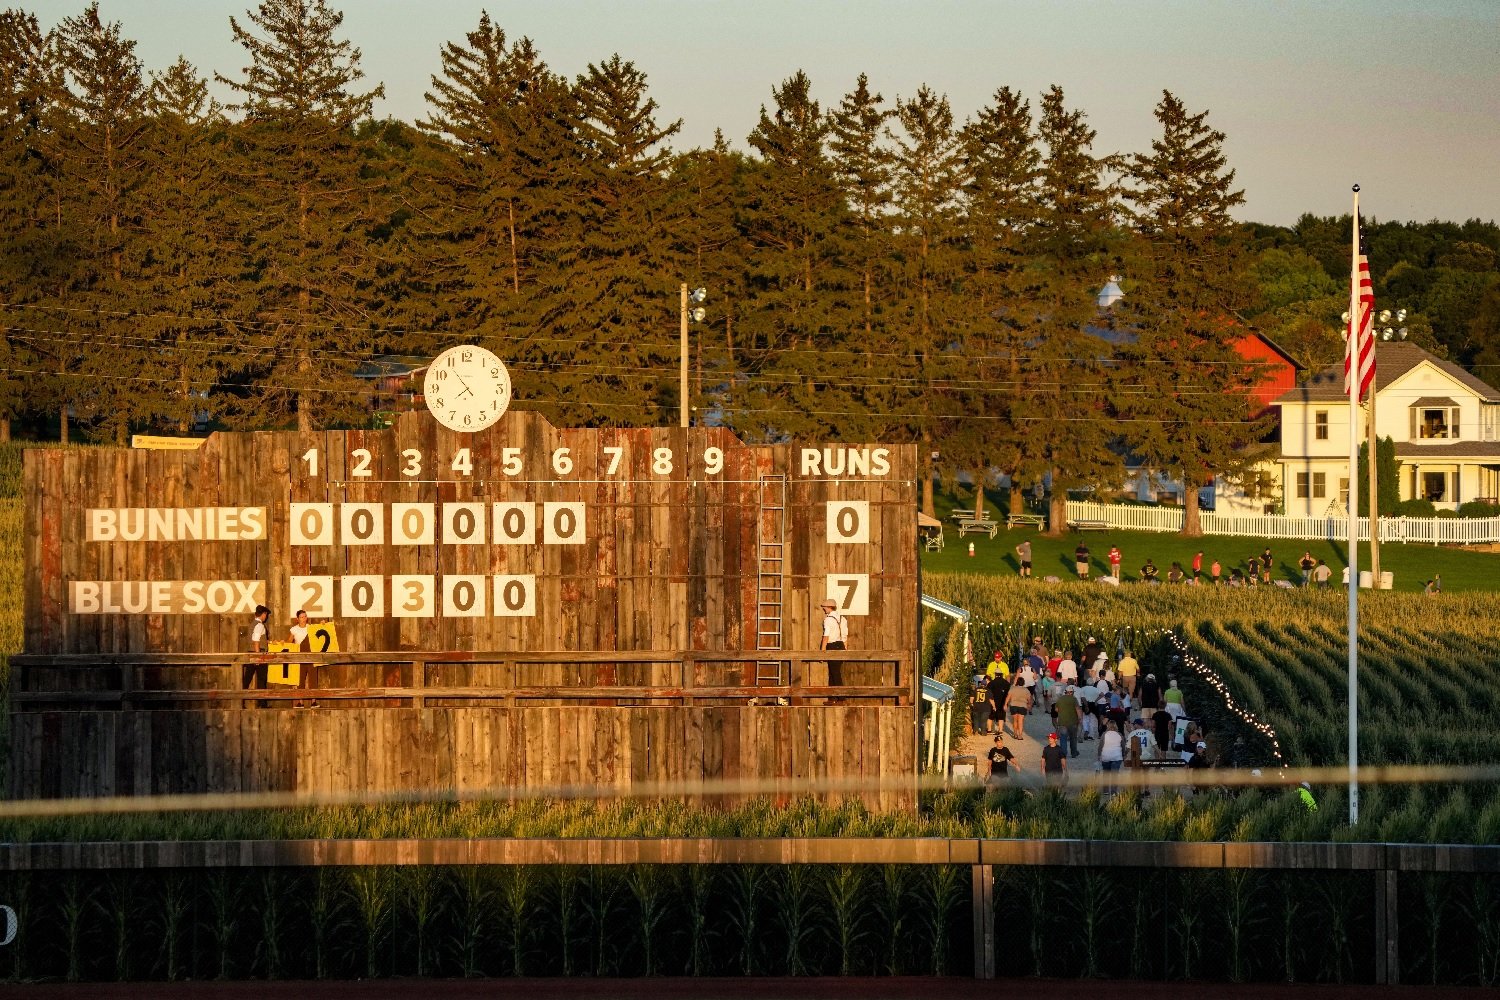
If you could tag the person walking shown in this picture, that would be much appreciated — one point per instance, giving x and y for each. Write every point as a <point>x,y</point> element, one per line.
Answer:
<point>1000,758</point>
<point>1307,563</point>
<point>1054,763</point>
<point>1265,565</point>
<point>1017,704</point>
<point>1214,571</point>
<point>1068,720</point>
<point>1111,753</point>
<point>1114,561</point>
<point>1197,565</point>
<point>994,697</point>
<point>1023,553</point>
<point>1129,669</point>
<point>1081,560</point>
<point>1321,575</point>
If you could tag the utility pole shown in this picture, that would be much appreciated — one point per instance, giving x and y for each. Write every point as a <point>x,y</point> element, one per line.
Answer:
<point>1370,449</point>
<point>696,315</point>
<point>682,389</point>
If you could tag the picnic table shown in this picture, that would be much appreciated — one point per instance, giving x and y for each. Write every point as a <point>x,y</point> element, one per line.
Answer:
<point>1085,524</point>
<point>969,521</point>
<point>1035,520</point>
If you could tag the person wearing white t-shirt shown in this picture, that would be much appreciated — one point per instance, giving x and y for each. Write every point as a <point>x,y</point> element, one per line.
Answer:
<point>1111,753</point>
<point>1067,670</point>
<point>835,637</point>
<point>835,627</point>
<point>300,627</point>
<point>255,673</point>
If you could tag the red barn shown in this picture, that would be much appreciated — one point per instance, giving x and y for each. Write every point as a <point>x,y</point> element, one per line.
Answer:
<point>1279,374</point>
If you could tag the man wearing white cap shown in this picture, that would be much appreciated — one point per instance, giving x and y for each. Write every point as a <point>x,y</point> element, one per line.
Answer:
<point>835,627</point>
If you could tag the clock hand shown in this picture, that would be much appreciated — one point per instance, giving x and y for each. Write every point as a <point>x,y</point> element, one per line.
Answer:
<point>467,390</point>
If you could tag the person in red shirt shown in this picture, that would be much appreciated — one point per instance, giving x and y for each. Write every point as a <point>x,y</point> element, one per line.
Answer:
<point>1197,566</point>
<point>1054,663</point>
<point>1114,562</point>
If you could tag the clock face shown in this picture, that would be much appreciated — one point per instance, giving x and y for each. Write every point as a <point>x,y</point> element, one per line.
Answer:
<point>467,388</point>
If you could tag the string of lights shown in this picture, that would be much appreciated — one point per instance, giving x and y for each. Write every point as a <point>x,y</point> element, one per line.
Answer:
<point>1130,637</point>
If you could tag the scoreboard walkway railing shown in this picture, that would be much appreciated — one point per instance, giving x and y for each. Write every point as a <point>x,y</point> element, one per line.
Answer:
<point>419,679</point>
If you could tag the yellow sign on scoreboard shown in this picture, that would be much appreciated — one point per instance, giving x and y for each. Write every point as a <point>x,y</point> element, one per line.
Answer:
<point>321,638</point>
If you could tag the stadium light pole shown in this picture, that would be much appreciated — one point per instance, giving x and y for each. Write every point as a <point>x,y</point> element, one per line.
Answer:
<point>1384,331</point>
<point>695,314</point>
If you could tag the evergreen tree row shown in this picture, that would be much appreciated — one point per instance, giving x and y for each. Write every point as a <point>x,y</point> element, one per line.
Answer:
<point>877,268</point>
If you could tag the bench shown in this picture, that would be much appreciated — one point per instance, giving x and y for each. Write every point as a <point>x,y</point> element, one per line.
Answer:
<point>1088,525</point>
<point>969,522</point>
<point>1035,520</point>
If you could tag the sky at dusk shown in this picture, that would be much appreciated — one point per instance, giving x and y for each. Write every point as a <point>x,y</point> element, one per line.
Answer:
<point>1400,96</point>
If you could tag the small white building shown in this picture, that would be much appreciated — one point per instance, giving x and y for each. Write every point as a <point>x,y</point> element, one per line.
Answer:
<point>1444,421</point>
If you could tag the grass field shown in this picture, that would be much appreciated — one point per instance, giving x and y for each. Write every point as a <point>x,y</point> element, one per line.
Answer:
<point>1462,569</point>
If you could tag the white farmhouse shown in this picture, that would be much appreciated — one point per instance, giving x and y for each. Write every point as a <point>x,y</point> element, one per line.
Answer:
<point>1444,421</point>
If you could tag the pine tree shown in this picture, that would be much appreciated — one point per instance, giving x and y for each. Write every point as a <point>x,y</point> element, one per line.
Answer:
<point>498,194</point>
<point>188,289</point>
<point>1003,167</point>
<point>1066,379</point>
<point>101,115</point>
<point>706,184</point>
<point>1190,405</point>
<point>792,323</point>
<point>862,163</point>
<point>617,258</point>
<point>310,205</point>
<point>928,316</point>
<point>29,85</point>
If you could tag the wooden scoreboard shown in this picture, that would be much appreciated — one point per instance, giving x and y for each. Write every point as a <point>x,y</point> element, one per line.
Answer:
<point>505,595</point>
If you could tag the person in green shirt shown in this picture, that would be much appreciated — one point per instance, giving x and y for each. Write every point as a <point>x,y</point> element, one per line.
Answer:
<point>1067,721</point>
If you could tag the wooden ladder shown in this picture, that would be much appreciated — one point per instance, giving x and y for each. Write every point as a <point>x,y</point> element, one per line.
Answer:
<point>770,607</point>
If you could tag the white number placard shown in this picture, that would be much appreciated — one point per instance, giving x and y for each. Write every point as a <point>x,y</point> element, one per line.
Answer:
<point>463,523</point>
<point>362,523</point>
<point>312,524</point>
<point>848,522</point>
<point>412,523</point>
<point>850,592</point>
<point>562,523</point>
<point>515,596</point>
<point>313,594</point>
<point>464,596</point>
<point>515,524</point>
<point>362,596</point>
<point>411,597</point>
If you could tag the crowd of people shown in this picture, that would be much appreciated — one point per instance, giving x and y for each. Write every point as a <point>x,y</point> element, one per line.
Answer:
<point>1254,570</point>
<point>1131,715</point>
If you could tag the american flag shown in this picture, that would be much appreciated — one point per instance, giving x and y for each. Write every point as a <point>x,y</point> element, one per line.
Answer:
<point>1359,340</point>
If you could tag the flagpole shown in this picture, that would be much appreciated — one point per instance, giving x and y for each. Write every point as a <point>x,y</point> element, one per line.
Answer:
<point>1351,346</point>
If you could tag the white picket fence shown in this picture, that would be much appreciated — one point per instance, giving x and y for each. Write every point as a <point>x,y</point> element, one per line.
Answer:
<point>1432,530</point>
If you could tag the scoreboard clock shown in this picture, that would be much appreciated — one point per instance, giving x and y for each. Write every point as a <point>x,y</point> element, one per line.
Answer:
<point>467,388</point>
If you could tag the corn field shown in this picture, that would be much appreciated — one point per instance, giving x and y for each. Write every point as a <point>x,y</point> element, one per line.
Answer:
<point>1428,670</point>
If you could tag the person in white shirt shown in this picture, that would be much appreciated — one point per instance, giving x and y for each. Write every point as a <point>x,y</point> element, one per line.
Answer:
<point>255,673</point>
<point>835,627</point>
<point>1067,670</point>
<point>1143,741</point>
<point>300,626</point>
<point>1111,753</point>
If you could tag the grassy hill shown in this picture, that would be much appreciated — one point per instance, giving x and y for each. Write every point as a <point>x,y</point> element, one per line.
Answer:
<point>1462,569</point>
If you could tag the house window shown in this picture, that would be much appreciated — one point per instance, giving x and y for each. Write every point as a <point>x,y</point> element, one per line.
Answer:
<point>1314,485</point>
<point>1344,490</point>
<point>1435,486</point>
<point>1320,485</point>
<point>1320,425</point>
<point>1435,422</point>
<point>1302,485</point>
